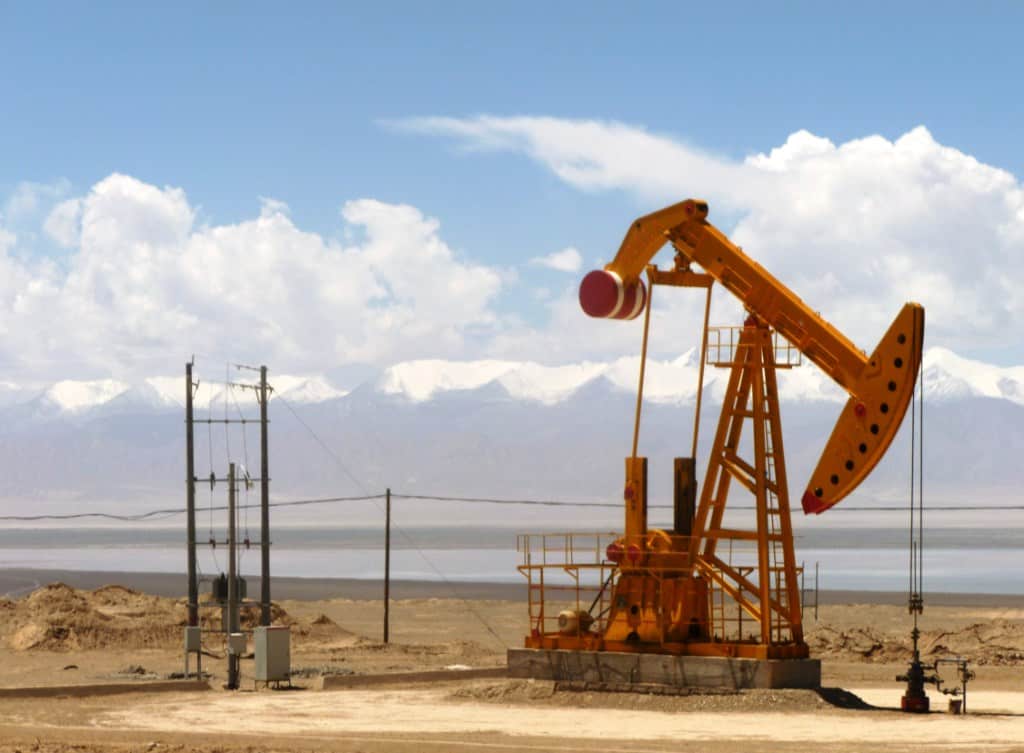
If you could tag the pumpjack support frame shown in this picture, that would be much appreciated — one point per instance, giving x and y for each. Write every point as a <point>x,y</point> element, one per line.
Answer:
<point>677,594</point>
<point>773,599</point>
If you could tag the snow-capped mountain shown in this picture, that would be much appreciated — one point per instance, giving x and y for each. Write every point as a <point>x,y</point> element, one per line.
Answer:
<point>666,382</point>
<point>947,376</point>
<point>69,396</point>
<point>70,399</point>
<point>306,389</point>
<point>492,428</point>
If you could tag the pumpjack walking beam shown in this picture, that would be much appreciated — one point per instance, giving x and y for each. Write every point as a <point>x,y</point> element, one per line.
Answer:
<point>880,385</point>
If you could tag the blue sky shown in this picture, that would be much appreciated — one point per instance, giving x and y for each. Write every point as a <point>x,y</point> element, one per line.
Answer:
<point>310,104</point>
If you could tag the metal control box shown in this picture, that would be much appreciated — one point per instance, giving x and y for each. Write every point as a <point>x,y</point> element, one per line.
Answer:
<point>237,643</point>
<point>193,638</point>
<point>273,654</point>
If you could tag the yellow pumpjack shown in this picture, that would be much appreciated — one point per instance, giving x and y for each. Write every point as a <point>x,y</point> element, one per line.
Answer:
<point>668,588</point>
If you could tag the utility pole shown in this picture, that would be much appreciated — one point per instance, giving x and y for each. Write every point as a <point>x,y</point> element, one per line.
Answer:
<point>190,501</point>
<point>230,616</point>
<point>264,505</point>
<point>233,627</point>
<point>387,567</point>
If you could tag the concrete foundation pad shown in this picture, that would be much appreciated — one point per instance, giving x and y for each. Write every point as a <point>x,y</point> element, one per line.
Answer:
<point>106,688</point>
<point>337,682</point>
<point>663,669</point>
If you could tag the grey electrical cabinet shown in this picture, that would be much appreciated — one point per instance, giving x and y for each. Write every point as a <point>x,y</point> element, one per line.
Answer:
<point>273,654</point>
<point>193,639</point>
<point>237,643</point>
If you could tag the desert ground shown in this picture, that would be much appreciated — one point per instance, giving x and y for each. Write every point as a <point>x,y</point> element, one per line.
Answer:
<point>60,637</point>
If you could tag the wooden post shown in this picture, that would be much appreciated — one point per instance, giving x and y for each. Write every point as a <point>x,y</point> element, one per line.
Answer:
<point>233,658</point>
<point>387,567</point>
<point>190,503</point>
<point>264,505</point>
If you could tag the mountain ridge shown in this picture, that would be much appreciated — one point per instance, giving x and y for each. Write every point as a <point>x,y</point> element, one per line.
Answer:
<point>947,376</point>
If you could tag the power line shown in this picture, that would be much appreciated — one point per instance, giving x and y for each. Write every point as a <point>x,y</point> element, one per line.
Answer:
<point>618,505</point>
<point>532,502</point>
<point>152,515</point>
<point>163,513</point>
<point>171,512</point>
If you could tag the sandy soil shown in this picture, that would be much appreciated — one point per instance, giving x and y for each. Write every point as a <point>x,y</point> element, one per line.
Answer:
<point>63,636</point>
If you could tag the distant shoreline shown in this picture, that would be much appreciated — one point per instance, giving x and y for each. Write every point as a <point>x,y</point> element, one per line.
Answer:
<point>17,582</point>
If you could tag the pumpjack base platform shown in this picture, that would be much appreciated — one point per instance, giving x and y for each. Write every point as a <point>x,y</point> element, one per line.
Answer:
<point>663,669</point>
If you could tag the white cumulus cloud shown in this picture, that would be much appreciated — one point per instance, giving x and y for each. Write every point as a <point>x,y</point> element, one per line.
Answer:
<point>566,260</point>
<point>270,206</point>
<point>63,224</point>
<point>143,286</point>
<point>855,229</point>
<point>28,197</point>
<point>599,155</point>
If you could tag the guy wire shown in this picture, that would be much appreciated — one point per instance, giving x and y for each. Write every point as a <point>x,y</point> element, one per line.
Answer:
<point>401,532</point>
